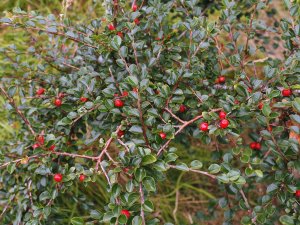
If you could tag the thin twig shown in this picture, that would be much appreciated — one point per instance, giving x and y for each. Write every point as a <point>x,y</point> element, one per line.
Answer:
<point>144,128</point>
<point>142,203</point>
<point>173,115</point>
<point>99,157</point>
<point>245,199</point>
<point>74,155</point>
<point>124,145</point>
<point>12,102</point>
<point>184,125</point>
<point>197,171</point>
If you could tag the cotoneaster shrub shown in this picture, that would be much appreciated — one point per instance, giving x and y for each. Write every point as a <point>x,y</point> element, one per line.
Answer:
<point>109,99</point>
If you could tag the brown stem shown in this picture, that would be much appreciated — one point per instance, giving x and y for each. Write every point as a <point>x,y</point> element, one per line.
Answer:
<point>184,125</point>
<point>173,115</point>
<point>142,202</point>
<point>63,35</point>
<point>99,157</point>
<point>144,128</point>
<point>13,103</point>
<point>197,171</point>
<point>74,155</point>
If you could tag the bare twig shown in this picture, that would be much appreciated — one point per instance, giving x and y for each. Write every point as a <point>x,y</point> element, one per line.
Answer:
<point>63,35</point>
<point>245,199</point>
<point>124,145</point>
<point>74,155</point>
<point>181,128</point>
<point>142,202</point>
<point>13,103</point>
<point>99,157</point>
<point>144,128</point>
<point>197,171</point>
<point>173,115</point>
<point>19,160</point>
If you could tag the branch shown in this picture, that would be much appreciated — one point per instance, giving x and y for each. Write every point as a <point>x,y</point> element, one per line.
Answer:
<point>19,160</point>
<point>184,125</point>
<point>63,35</point>
<point>197,171</point>
<point>78,118</point>
<point>124,145</point>
<point>99,157</point>
<point>173,115</point>
<point>144,128</point>
<point>12,102</point>
<point>142,202</point>
<point>245,199</point>
<point>74,155</point>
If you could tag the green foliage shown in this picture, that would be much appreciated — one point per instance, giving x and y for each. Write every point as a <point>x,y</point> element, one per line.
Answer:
<point>122,88</point>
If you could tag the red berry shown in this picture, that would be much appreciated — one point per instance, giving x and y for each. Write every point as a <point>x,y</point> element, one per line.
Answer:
<point>270,128</point>
<point>222,115</point>
<point>125,170</point>
<point>36,145</point>
<point>203,126</point>
<point>111,27</point>
<point>83,99</point>
<point>120,34</point>
<point>221,79</point>
<point>81,178</point>
<point>125,93</point>
<point>297,193</point>
<point>57,102</point>
<point>157,92</point>
<point>257,146</point>
<point>137,21</point>
<point>162,135</point>
<point>119,103</point>
<point>158,38</point>
<point>134,7</point>
<point>52,147</point>
<point>252,145</point>
<point>58,177</point>
<point>286,92</point>
<point>260,105</point>
<point>126,213</point>
<point>224,123</point>
<point>120,133</point>
<point>61,95</point>
<point>135,90</point>
<point>236,102</point>
<point>250,90</point>
<point>40,91</point>
<point>182,108</point>
<point>41,139</point>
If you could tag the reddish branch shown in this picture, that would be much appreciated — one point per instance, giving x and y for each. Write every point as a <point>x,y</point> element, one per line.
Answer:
<point>173,115</point>
<point>104,150</point>
<point>22,159</point>
<point>181,128</point>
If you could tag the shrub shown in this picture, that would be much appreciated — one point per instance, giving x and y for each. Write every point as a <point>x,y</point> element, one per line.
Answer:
<point>110,98</point>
